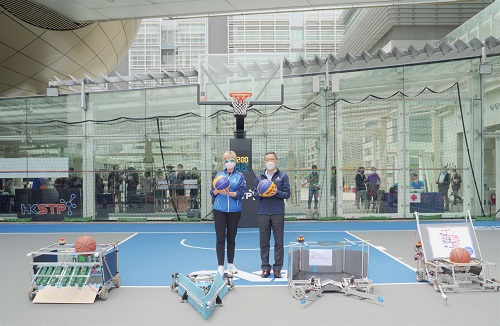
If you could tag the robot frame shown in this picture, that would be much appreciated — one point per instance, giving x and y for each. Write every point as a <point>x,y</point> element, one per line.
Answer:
<point>203,290</point>
<point>337,261</point>
<point>432,252</point>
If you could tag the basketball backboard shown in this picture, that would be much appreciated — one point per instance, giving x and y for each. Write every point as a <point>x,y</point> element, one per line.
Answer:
<point>221,74</point>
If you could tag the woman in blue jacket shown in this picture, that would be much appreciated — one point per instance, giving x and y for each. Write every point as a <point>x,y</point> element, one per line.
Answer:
<point>227,212</point>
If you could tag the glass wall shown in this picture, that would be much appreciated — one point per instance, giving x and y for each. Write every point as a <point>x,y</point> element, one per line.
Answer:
<point>151,153</point>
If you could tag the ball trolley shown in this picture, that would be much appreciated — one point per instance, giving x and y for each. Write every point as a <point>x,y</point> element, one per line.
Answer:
<point>334,266</point>
<point>60,274</point>
<point>449,258</point>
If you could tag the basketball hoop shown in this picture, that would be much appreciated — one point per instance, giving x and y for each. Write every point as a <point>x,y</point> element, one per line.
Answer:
<point>240,102</point>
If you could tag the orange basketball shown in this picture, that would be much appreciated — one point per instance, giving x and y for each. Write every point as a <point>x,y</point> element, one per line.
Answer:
<point>85,243</point>
<point>460,256</point>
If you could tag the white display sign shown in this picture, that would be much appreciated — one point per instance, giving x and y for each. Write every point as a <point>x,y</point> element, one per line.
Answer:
<point>162,184</point>
<point>34,167</point>
<point>444,239</point>
<point>191,184</point>
<point>320,257</point>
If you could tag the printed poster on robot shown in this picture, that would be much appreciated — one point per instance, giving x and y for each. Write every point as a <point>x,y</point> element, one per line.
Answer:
<point>320,257</point>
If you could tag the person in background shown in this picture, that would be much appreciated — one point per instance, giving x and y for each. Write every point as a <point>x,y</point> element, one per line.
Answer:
<point>160,191</point>
<point>115,179</point>
<point>333,187</point>
<point>181,176</point>
<point>171,177</point>
<point>227,212</point>
<point>360,180</point>
<point>272,215</point>
<point>415,183</point>
<point>132,181</point>
<point>99,187</point>
<point>394,188</point>
<point>193,193</point>
<point>444,185</point>
<point>37,183</point>
<point>313,180</point>
<point>373,186</point>
<point>456,182</point>
<point>73,180</point>
<point>7,185</point>
<point>146,183</point>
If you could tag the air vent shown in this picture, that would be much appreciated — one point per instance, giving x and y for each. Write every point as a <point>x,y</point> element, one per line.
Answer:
<point>37,15</point>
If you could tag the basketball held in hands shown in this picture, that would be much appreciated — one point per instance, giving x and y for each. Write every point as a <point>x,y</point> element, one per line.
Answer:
<point>221,183</point>
<point>266,187</point>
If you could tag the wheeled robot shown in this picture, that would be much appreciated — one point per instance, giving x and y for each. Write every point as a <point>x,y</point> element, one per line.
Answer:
<point>432,253</point>
<point>317,267</point>
<point>202,290</point>
<point>313,288</point>
<point>59,274</point>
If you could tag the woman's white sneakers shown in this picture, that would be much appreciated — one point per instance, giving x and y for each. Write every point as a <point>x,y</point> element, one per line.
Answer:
<point>232,269</point>
<point>220,270</point>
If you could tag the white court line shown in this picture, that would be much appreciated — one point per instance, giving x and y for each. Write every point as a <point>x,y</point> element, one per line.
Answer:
<point>183,242</point>
<point>133,235</point>
<point>382,251</point>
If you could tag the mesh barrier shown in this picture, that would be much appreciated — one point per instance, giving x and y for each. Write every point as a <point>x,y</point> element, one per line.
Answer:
<point>161,167</point>
<point>406,142</point>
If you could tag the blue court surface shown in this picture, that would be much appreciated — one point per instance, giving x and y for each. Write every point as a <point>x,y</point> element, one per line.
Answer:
<point>153,252</point>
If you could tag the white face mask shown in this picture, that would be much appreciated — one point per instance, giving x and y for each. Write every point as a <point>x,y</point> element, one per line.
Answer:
<point>270,166</point>
<point>230,165</point>
<point>373,172</point>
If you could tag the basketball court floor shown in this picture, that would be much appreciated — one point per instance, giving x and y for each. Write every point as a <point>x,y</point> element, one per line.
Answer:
<point>149,253</point>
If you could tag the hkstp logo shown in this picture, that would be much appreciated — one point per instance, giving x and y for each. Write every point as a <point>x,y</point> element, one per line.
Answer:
<point>44,209</point>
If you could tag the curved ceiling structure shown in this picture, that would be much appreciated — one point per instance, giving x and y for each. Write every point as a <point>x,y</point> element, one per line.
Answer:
<point>81,39</point>
<point>36,47</point>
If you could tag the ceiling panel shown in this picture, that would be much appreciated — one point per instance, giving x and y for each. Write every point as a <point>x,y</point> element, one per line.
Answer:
<point>24,64</point>
<point>17,36</point>
<point>117,13</point>
<point>101,10</point>
<point>42,52</point>
<point>62,44</point>
<point>185,8</point>
<point>5,52</point>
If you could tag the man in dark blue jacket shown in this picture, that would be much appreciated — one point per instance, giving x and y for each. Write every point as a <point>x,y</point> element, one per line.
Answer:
<point>272,215</point>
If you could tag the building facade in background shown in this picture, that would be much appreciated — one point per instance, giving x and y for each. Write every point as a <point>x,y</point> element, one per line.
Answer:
<point>169,45</point>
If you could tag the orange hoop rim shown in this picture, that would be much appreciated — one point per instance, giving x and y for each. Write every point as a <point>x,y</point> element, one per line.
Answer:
<point>240,96</point>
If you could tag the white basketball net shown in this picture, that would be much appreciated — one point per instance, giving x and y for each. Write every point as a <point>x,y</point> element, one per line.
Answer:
<point>240,104</point>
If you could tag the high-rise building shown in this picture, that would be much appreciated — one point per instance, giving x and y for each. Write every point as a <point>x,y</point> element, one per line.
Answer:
<point>368,29</point>
<point>170,45</point>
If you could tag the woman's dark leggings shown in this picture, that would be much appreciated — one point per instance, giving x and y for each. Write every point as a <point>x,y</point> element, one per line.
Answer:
<point>226,221</point>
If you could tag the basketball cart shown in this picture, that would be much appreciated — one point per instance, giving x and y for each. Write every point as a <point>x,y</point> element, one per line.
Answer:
<point>335,266</point>
<point>61,275</point>
<point>202,290</point>
<point>432,254</point>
